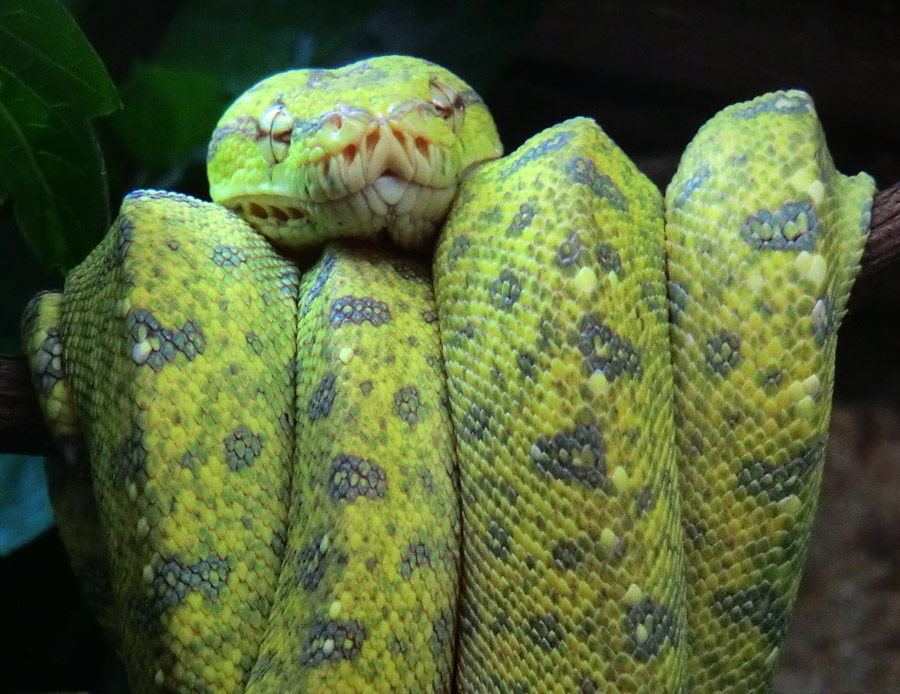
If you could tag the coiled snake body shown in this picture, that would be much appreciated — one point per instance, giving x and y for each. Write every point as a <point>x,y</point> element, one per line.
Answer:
<point>586,461</point>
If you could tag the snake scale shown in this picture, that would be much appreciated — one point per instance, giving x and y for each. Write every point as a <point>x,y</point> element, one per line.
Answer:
<point>579,452</point>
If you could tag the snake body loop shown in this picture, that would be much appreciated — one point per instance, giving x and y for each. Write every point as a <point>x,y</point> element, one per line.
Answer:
<point>586,459</point>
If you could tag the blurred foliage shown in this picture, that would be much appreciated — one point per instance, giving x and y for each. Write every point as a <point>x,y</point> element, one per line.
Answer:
<point>51,84</point>
<point>155,128</point>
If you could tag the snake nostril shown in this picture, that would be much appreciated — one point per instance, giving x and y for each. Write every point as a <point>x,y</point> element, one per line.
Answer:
<point>333,121</point>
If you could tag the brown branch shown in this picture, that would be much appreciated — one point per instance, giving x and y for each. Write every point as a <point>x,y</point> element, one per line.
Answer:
<point>22,427</point>
<point>882,247</point>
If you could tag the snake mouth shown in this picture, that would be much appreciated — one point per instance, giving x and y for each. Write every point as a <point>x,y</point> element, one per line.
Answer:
<point>384,160</point>
<point>385,178</point>
<point>407,211</point>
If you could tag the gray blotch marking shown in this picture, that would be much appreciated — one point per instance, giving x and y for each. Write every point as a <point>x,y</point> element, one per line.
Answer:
<point>145,329</point>
<point>253,340</point>
<point>569,251</point>
<point>47,365</point>
<point>605,351</point>
<point>322,398</point>
<point>527,364</point>
<point>228,256</point>
<point>567,555</point>
<point>778,482</point>
<point>824,320</point>
<point>505,290</point>
<point>332,641</point>
<point>352,477</point>
<point>779,103</point>
<point>677,302</point>
<point>497,540</point>
<point>130,461</point>
<point>583,170</point>
<point>576,455</point>
<point>551,144</point>
<point>475,422</point>
<point>311,563</point>
<point>176,578</point>
<point>408,405</point>
<point>242,448</point>
<point>416,555</point>
<point>723,352</point>
<point>325,269</point>
<point>458,248</point>
<point>608,258</point>
<point>546,631</point>
<point>521,219</point>
<point>690,185</point>
<point>658,620</point>
<point>358,310</point>
<point>793,227</point>
<point>761,605</point>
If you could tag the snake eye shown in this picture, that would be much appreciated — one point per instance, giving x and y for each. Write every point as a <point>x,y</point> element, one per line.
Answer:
<point>449,104</point>
<point>275,127</point>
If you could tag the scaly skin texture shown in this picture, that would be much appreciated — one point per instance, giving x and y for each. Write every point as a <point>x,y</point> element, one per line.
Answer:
<point>587,462</point>
<point>591,533</point>
<point>374,509</point>
<point>179,349</point>
<point>560,390</point>
<point>763,238</point>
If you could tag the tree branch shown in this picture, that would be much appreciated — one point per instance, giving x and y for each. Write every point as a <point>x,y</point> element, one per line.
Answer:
<point>23,430</point>
<point>882,247</point>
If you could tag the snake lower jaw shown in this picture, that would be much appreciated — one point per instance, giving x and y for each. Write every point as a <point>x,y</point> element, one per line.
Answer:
<point>409,213</point>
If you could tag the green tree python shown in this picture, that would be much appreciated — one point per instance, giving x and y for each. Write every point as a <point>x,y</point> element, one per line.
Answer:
<point>578,453</point>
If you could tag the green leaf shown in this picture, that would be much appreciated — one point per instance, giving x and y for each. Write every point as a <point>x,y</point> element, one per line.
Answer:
<point>51,83</point>
<point>169,113</point>
<point>42,44</point>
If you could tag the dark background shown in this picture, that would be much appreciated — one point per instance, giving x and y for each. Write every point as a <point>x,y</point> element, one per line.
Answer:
<point>650,73</point>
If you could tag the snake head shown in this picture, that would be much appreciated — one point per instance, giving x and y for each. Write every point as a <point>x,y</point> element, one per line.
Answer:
<point>378,145</point>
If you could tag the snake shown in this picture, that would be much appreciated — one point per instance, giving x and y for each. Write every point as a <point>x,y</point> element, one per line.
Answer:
<point>398,413</point>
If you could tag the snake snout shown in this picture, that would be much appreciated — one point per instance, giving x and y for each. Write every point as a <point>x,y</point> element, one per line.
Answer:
<point>381,172</point>
<point>377,153</point>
